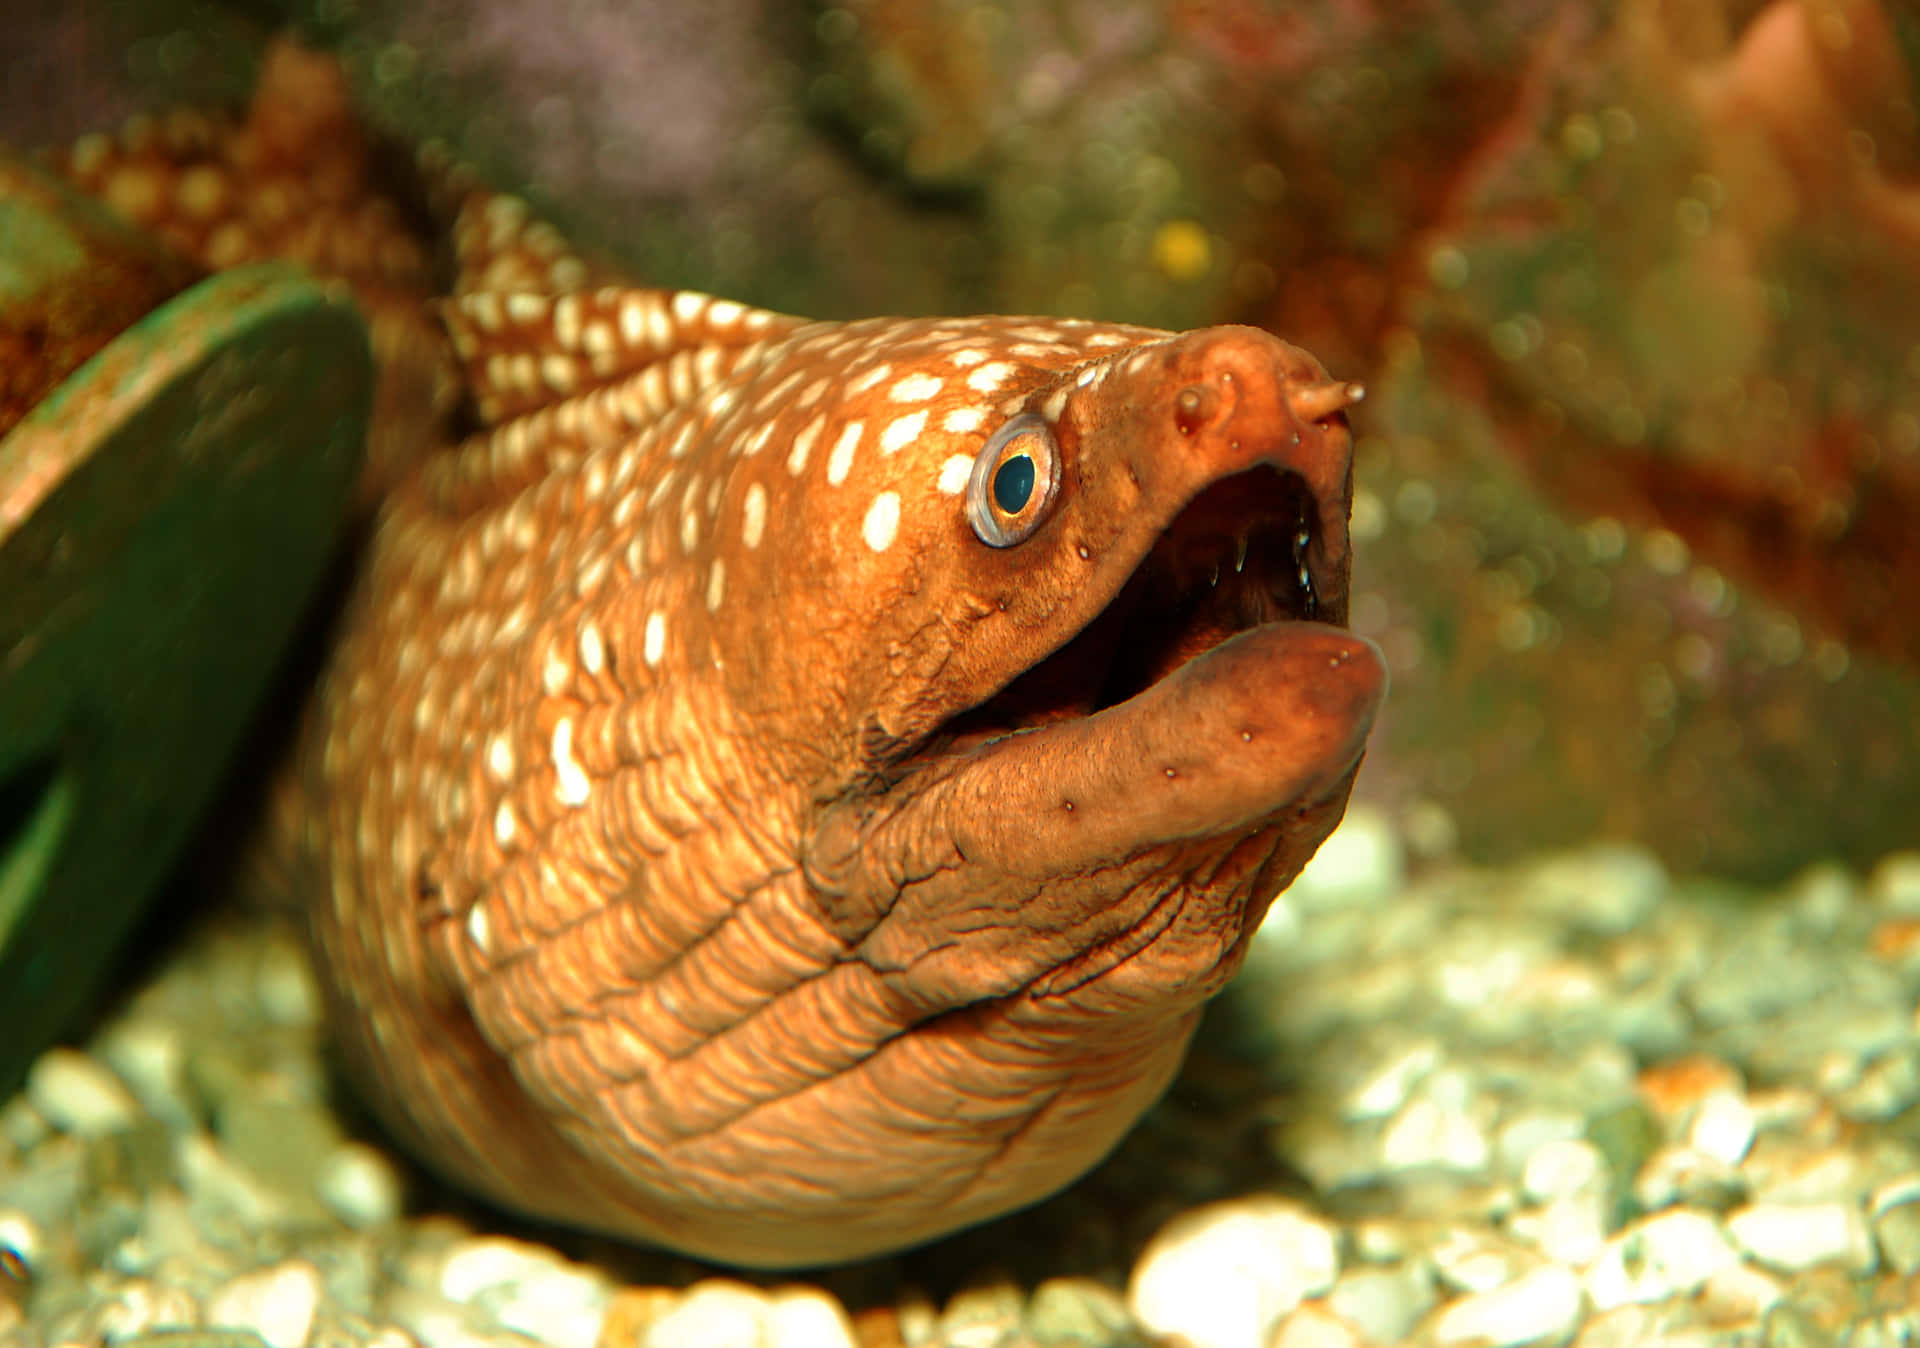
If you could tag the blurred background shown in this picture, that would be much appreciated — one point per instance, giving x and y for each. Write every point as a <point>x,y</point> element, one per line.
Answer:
<point>1634,286</point>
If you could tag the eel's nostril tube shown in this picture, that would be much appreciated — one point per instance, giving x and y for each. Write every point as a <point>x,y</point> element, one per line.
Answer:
<point>1193,408</point>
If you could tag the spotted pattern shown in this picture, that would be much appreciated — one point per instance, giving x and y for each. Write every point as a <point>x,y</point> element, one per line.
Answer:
<point>549,795</point>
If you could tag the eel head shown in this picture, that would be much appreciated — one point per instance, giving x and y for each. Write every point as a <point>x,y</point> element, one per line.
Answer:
<point>1115,709</point>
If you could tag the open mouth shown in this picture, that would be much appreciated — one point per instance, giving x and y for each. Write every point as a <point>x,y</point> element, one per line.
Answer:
<point>1235,557</point>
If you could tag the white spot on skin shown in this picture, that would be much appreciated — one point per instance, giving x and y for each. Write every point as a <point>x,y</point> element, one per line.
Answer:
<point>633,320</point>
<point>559,373</point>
<point>954,474</point>
<point>500,758</point>
<point>567,321</point>
<point>882,522</point>
<point>963,420</point>
<point>484,309</point>
<point>967,357</point>
<point>840,462</point>
<point>754,443</point>
<point>593,651</point>
<point>990,376</point>
<point>688,305</point>
<point>916,388</point>
<point>865,380</point>
<point>555,674</point>
<point>680,380</point>
<point>716,584</point>
<point>902,432</point>
<point>776,395</point>
<point>659,326</point>
<point>524,306</point>
<point>572,786</point>
<point>803,445</point>
<point>1055,404</point>
<point>504,825</point>
<point>724,313</point>
<point>479,930</point>
<point>654,642</point>
<point>753,516</point>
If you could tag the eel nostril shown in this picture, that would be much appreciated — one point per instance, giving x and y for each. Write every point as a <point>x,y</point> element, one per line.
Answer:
<point>1191,408</point>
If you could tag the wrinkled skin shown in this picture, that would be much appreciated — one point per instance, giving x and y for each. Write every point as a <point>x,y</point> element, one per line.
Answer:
<point>713,840</point>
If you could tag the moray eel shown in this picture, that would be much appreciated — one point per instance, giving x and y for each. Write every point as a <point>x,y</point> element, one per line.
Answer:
<point>783,790</point>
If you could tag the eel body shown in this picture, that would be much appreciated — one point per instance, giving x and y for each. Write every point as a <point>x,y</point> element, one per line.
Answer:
<point>784,790</point>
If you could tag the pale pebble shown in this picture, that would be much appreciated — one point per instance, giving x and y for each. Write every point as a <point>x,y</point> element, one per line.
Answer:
<point>1894,882</point>
<point>1741,1292</point>
<point>1539,1306</point>
<point>360,1185</point>
<point>1384,1090</point>
<point>1792,1237</point>
<point>1557,1169</point>
<point>1314,1326</point>
<point>277,1303</point>
<point>135,1307</point>
<point>1427,1134</point>
<point>1668,1254</point>
<point>1472,1260</point>
<point>918,1318</point>
<point>22,1235</point>
<point>1896,1226</point>
<point>1520,1137</point>
<point>1723,1127</point>
<point>78,1095</point>
<point>1072,1311</point>
<point>1222,1276</point>
<point>528,1288</point>
<point>983,1315</point>
<point>1681,1176</point>
<point>1571,1229</point>
<point>1385,1303</point>
<point>150,1057</point>
<point>716,1313</point>
<point>806,1317</point>
<point>1360,864</point>
<point>284,984</point>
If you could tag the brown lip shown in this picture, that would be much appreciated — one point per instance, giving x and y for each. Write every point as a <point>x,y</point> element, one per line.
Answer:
<point>1273,716</point>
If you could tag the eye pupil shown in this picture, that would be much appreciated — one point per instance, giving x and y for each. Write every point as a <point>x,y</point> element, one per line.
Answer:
<point>1013,484</point>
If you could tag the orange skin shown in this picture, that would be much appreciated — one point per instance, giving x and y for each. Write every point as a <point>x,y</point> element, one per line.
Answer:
<point>717,835</point>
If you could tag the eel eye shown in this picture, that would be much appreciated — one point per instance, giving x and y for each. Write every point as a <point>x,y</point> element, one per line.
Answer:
<point>1014,481</point>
